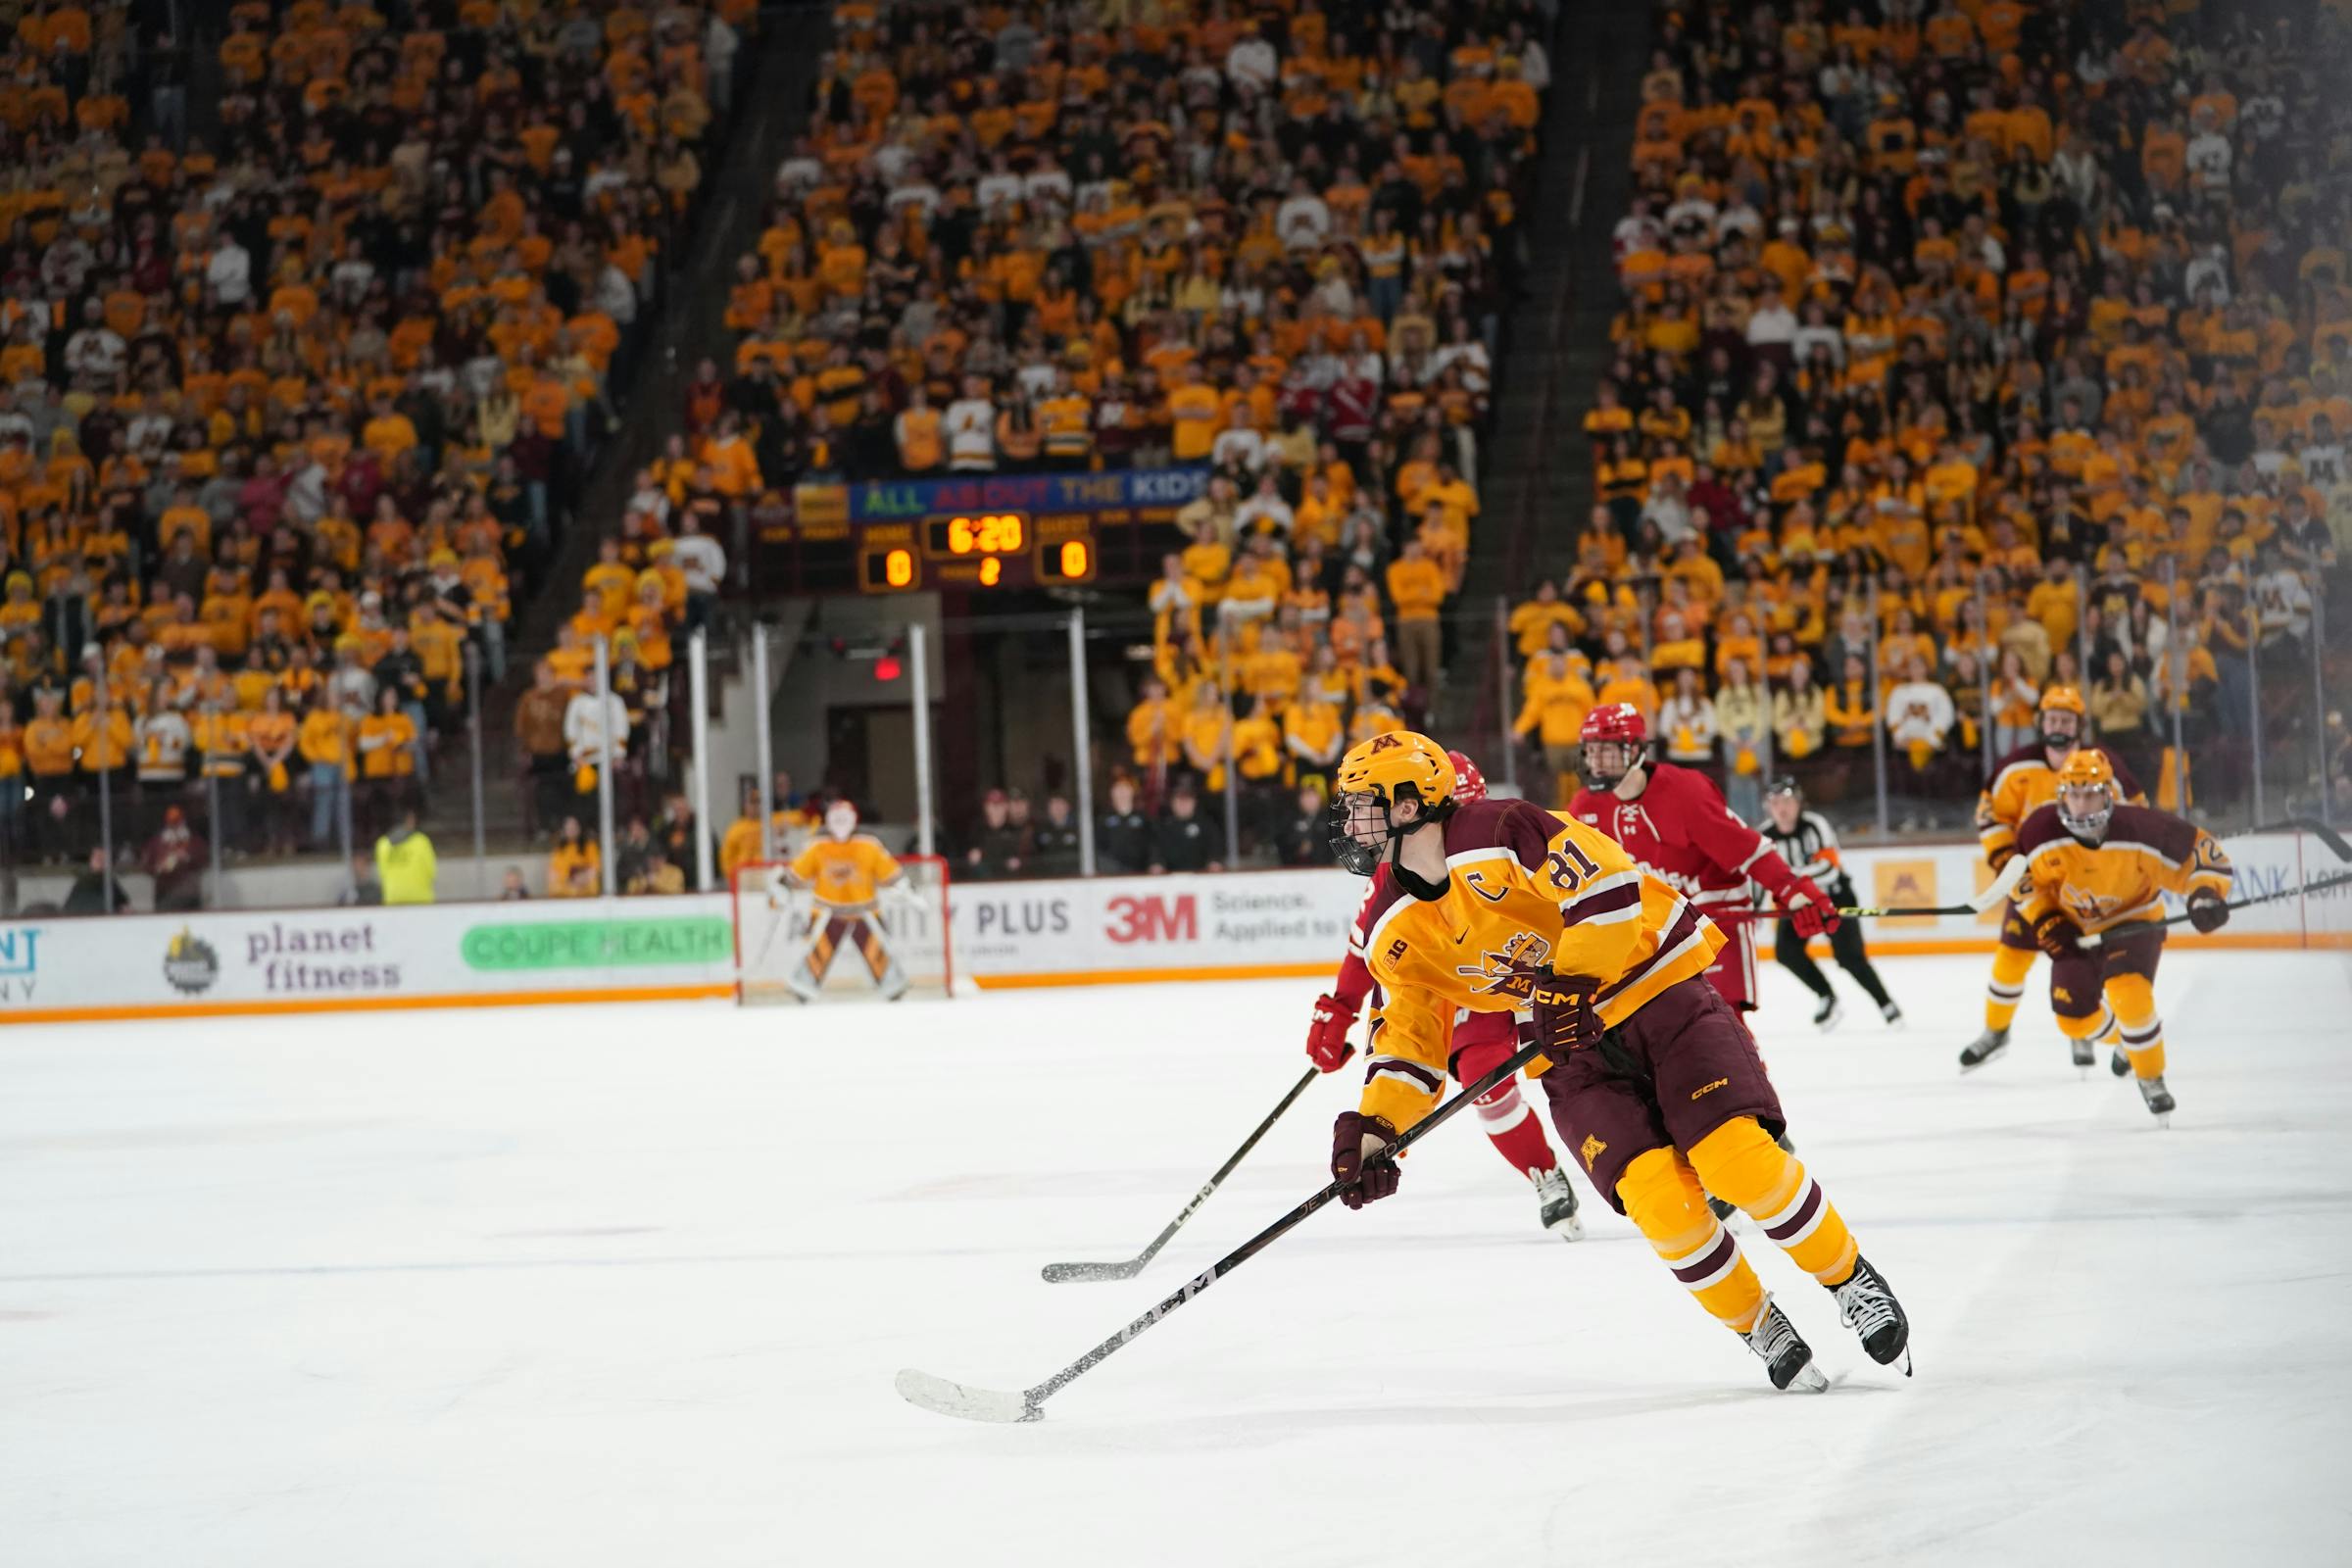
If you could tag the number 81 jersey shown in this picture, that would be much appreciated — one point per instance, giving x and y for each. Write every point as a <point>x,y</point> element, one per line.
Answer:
<point>1527,891</point>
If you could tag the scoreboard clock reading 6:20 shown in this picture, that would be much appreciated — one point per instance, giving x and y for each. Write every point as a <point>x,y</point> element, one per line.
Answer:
<point>984,550</point>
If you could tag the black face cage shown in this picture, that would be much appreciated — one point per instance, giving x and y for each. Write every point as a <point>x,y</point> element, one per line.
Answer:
<point>1348,844</point>
<point>1629,753</point>
<point>1354,855</point>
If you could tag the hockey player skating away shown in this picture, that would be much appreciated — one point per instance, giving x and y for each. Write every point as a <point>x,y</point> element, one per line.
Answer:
<point>846,873</point>
<point>1807,841</point>
<point>1479,1043</point>
<point>1675,825</point>
<point>1652,1080</point>
<point>2097,868</point>
<point>2021,783</point>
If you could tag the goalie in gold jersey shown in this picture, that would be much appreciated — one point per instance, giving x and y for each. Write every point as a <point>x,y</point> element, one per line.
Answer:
<point>846,873</point>
<point>1653,1081</point>
<point>2095,867</point>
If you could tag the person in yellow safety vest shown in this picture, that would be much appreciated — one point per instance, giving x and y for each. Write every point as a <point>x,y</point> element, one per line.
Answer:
<point>405,862</point>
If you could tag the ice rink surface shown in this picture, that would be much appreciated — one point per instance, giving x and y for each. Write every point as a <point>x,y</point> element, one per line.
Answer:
<point>628,1286</point>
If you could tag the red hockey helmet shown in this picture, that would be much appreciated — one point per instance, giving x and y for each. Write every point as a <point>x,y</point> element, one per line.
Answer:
<point>1469,784</point>
<point>1616,739</point>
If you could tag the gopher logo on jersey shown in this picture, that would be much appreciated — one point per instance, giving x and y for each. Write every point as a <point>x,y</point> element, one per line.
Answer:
<point>1507,970</point>
<point>2088,906</point>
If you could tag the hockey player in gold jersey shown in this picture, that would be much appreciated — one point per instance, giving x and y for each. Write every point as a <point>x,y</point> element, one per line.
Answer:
<point>2021,783</point>
<point>846,873</point>
<point>1653,1082</point>
<point>2099,868</point>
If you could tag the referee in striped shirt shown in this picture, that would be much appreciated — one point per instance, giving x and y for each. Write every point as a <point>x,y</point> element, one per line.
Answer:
<point>1807,841</point>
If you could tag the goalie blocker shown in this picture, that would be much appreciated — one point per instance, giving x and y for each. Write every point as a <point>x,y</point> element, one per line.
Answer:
<point>802,936</point>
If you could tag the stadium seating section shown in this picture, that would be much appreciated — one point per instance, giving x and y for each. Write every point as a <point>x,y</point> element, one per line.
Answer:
<point>294,408</point>
<point>1951,312</point>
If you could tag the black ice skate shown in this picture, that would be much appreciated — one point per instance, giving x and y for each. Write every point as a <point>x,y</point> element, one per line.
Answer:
<point>1981,1049</point>
<point>1826,1016</point>
<point>2118,1064</point>
<point>1556,1196</point>
<point>1788,1359</point>
<point>2158,1099</point>
<point>1720,1210</point>
<point>2085,1055</point>
<point>1892,1015</point>
<point>1871,1310</point>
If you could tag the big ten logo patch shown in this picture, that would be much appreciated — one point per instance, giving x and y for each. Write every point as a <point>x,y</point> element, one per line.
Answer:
<point>1904,884</point>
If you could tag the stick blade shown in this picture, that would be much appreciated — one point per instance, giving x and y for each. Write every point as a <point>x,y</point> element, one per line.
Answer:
<point>1997,890</point>
<point>966,1404</point>
<point>1090,1273</point>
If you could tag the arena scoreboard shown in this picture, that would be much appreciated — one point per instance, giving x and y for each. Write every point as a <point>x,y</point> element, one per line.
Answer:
<point>976,533</point>
<point>988,550</point>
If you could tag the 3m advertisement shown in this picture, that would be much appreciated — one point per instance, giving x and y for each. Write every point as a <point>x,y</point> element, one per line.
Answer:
<point>1163,927</point>
<point>1003,934</point>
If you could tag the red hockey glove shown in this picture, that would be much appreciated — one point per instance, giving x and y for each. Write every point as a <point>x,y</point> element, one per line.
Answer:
<point>2057,935</point>
<point>2206,911</point>
<point>1327,1044</point>
<point>1562,1004</point>
<point>1364,1174</point>
<point>1808,908</point>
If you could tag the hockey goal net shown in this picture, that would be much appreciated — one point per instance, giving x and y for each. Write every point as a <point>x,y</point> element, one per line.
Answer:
<point>791,948</point>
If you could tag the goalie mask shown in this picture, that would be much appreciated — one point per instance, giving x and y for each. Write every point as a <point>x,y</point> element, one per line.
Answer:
<point>2086,794</point>
<point>2061,717</point>
<point>1374,777</point>
<point>841,819</point>
<point>1616,741</point>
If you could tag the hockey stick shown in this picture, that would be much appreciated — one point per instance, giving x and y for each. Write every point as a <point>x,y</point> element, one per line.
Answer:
<point>1064,1273</point>
<point>1996,893</point>
<point>2124,933</point>
<point>971,1404</point>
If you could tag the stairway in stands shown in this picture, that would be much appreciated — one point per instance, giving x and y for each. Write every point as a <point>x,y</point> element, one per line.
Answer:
<point>1535,472</point>
<point>772,105</point>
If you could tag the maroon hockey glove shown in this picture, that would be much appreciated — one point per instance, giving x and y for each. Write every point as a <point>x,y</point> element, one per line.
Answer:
<point>2057,935</point>
<point>1562,1004</point>
<point>1810,911</point>
<point>1364,1174</point>
<point>2206,911</point>
<point>1996,858</point>
<point>1327,1044</point>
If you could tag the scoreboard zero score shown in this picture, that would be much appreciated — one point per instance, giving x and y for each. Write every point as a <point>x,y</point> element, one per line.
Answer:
<point>989,550</point>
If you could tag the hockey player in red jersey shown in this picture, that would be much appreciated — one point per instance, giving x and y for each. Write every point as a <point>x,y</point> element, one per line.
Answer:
<point>1675,825</point>
<point>1479,1043</point>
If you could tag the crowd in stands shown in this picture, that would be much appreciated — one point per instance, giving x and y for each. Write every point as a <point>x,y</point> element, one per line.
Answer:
<point>292,415</point>
<point>1274,240</point>
<point>1968,348</point>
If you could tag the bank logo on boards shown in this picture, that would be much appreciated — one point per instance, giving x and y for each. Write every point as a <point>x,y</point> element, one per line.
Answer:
<point>20,962</point>
<point>190,965</point>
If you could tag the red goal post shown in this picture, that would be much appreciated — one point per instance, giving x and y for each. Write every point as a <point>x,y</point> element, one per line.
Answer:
<point>775,923</point>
